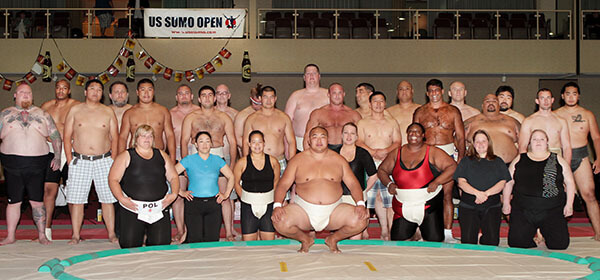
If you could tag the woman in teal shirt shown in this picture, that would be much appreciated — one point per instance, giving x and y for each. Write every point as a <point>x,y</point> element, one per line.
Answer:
<point>202,212</point>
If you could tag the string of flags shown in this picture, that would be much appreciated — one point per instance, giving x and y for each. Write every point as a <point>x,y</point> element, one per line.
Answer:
<point>43,67</point>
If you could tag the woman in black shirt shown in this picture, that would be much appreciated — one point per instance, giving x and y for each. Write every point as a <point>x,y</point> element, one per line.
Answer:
<point>542,196</point>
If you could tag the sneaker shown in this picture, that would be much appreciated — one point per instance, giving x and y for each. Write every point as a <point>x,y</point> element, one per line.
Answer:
<point>450,239</point>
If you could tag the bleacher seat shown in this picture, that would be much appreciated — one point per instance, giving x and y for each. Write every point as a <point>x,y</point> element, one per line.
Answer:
<point>303,28</point>
<point>382,28</point>
<point>443,28</point>
<point>122,28</point>
<point>343,29</point>
<point>270,18</point>
<point>347,15</point>
<point>367,16</point>
<point>487,16</point>
<point>533,29</point>
<point>481,28</point>
<point>310,15</point>
<point>518,28</point>
<point>283,28</point>
<point>322,29</point>
<point>464,28</point>
<point>504,30</point>
<point>360,29</point>
<point>61,24</point>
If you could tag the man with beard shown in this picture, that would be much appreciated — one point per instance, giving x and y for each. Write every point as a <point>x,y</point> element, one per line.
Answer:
<point>183,97</point>
<point>25,157</point>
<point>58,109</point>
<point>404,110</point>
<point>582,123</point>
<point>506,96</point>
<point>218,125</point>
<point>332,116</point>
<point>146,111</point>
<point>458,94</point>
<point>91,132</point>
<point>444,129</point>
<point>502,129</point>
<point>303,101</point>
<point>118,92</point>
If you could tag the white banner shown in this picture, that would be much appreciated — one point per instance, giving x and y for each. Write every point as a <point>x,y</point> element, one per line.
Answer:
<point>190,23</point>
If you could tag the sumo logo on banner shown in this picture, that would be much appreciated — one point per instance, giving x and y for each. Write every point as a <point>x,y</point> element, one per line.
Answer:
<point>194,23</point>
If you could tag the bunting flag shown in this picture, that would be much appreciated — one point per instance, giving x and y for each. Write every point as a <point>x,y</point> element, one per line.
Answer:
<point>126,49</point>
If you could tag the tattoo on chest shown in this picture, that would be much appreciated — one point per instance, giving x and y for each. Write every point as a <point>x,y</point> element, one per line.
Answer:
<point>577,118</point>
<point>23,118</point>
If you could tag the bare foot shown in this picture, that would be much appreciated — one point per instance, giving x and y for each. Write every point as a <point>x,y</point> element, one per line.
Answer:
<point>7,241</point>
<point>74,241</point>
<point>177,238</point>
<point>417,236</point>
<point>596,237</point>
<point>230,238</point>
<point>539,239</point>
<point>43,240</point>
<point>306,245</point>
<point>332,245</point>
<point>385,236</point>
<point>113,239</point>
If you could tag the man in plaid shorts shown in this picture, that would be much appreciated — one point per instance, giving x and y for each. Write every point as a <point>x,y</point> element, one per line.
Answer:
<point>91,132</point>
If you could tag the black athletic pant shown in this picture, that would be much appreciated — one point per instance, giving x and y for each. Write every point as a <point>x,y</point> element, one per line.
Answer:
<point>432,227</point>
<point>472,220</point>
<point>551,222</point>
<point>203,219</point>
<point>133,230</point>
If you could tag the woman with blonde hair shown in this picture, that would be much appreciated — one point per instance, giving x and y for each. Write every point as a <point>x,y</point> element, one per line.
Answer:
<point>138,180</point>
<point>542,192</point>
<point>481,176</point>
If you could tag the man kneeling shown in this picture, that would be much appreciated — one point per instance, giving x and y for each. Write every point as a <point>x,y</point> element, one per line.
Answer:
<point>318,173</point>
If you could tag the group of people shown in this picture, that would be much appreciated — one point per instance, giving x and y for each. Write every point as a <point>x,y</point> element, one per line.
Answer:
<point>317,165</point>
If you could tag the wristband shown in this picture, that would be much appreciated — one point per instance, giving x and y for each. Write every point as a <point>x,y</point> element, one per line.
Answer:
<point>388,184</point>
<point>276,204</point>
<point>361,203</point>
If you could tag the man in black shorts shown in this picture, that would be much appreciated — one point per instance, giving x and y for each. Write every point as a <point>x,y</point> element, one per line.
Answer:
<point>24,155</point>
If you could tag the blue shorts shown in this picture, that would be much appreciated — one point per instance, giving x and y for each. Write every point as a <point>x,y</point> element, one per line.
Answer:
<point>386,197</point>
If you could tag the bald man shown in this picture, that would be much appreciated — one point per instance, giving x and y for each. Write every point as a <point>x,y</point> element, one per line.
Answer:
<point>404,110</point>
<point>458,94</point>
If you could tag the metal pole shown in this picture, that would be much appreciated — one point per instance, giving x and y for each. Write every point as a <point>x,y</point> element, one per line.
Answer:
<point>457,35</point>
<point>295,24</point>
<point>6,27</point>
<point>417,34</point>
<point>537,25</point>
<point>89,15</point>
<point>336,15</point>
<point>47,24</point>
<point>497,15</point>
<point>377,24</point>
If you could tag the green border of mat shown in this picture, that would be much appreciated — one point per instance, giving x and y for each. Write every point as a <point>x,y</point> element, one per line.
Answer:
<point>57,267</point>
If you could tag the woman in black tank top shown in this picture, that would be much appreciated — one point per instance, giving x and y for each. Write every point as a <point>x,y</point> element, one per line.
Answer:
<point>539,200</point>
<point>256,172</point>
<point>140,174</point>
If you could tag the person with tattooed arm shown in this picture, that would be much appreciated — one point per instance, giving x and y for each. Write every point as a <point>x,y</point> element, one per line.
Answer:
<point>25,155</point>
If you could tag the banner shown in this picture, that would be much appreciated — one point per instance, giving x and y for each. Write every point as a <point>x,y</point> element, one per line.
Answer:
<point>194,23</point>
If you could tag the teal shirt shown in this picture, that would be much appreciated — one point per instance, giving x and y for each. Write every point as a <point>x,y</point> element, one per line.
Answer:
<point>203,174</point>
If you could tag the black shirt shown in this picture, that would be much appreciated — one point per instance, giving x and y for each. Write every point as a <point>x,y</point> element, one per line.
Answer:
<point>481,174</point>
<point>362,162</point>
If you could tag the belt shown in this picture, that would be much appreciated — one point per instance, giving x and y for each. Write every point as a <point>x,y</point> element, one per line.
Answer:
<point>80,156</point>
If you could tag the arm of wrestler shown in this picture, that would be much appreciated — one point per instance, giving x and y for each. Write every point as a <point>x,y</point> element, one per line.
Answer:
<point>569,182</point>
<point>186,131</point>
<point>355,190</point>
<point>508,188</point>
<point>290,138</point>
<point>290,105</point>
<point>170,135</point>
<point>247,130</point>
<point>468,132</point>
<point>185,194</point>
<point>595,135</point>
<point>230,134</point>
<point>124,132</point>
<point>284,184</point>
<point>68,134</point>
<point>238,126</point>
<point>565,140</point>
<point>114,133</point>
<point>226,170</point>
<point>459,135</point>
<point>56,141</point>
<point>114,180</point>
<point>385,170</point>
<point>238,170</point>
<point>275,166</point>
<point>524,134</point>
<point>313,121</point>
<point>443,162</point>
<point>173,179</point>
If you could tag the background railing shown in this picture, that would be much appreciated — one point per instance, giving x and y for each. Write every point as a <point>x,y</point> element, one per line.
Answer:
<point>319,23</point>
<point>69,22</point>
<point>414,24</point>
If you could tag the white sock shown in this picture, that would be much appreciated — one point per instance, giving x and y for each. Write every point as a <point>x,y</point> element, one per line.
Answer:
<point>448,232</point>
